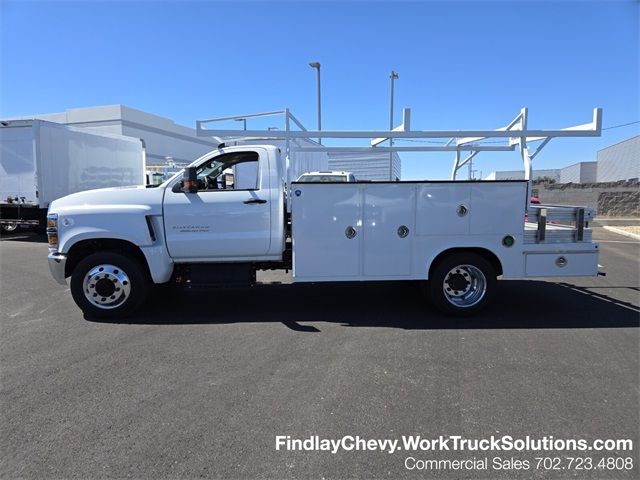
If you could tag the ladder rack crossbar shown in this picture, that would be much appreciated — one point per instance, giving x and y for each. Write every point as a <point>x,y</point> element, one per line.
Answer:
<point>370,134</point>
<point>434,148</point>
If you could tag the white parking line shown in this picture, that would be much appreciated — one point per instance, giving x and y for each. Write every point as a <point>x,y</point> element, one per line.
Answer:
<point>620,231</point>
<point>616,241</point>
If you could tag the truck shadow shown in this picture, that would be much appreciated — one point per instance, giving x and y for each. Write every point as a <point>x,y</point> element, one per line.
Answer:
<point>23,235</point>
<point>522,304</point>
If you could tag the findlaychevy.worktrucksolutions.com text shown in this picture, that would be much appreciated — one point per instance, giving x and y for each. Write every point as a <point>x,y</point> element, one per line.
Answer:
<point>450,443</point>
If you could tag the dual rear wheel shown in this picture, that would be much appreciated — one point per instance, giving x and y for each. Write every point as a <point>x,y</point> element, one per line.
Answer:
<point>461,283</point>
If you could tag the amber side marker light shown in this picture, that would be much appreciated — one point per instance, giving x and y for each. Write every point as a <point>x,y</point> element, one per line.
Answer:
<point>52,229</point>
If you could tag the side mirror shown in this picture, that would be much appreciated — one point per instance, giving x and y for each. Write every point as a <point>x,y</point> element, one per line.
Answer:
<point>229,180</point>
<point>190,180</point>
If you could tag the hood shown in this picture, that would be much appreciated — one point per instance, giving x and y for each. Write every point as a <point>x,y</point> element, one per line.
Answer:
<point>135,197</point>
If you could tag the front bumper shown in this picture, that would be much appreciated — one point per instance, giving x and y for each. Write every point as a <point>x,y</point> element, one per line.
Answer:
<point>57,263</point>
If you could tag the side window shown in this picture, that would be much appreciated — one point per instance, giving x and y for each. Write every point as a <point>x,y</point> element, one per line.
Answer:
<point>246,175</point>
<point>231,171</point>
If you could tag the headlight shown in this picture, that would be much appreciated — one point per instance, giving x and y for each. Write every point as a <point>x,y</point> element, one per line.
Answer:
<point>52,229</point>
<point>52,220</point>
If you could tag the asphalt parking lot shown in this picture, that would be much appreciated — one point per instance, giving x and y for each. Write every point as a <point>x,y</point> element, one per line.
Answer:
<point>200,384</point>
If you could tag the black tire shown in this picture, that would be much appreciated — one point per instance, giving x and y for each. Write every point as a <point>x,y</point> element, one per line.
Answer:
<point>126,275</point>
<point>9,227</point>
<point>475,274</point>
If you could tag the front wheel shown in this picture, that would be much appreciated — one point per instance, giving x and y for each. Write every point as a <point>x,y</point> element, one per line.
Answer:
<point>462,284</point>
<point>109,285</point>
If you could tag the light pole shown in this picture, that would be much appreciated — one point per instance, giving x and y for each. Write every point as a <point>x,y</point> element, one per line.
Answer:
<point>244,120</point>
<point>316,65</point>
<point>394,77</point>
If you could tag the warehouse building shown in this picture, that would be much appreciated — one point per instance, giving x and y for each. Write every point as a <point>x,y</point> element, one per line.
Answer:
<point>552,173</point>
<point>620,161</point>
<point>581,172</point>
<point>374,166</point>
<point>164,139</point>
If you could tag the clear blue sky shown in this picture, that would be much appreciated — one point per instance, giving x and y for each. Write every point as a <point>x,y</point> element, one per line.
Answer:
<point>461,64</point>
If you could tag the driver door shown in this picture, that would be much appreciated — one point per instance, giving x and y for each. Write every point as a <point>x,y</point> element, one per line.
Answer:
<point>229,217</point>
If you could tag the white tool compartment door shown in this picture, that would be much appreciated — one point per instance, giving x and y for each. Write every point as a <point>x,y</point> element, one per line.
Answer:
<point>498,208</point>
<point>443,208</point>
<point>388,229</point>
<point>326,230</point>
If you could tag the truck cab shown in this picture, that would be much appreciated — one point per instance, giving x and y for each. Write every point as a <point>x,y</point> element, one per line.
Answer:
<point>114,243</point>
<point>234,213</point>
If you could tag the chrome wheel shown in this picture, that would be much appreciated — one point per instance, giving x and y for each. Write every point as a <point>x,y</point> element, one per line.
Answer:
<point>464,286</point>
<point>9,227</point>
<point>106,286</point>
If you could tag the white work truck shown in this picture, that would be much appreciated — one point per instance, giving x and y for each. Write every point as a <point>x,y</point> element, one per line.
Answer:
<point>232,213</point>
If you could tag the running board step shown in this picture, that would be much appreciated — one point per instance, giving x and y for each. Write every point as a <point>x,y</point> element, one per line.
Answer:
<point>215,274</point>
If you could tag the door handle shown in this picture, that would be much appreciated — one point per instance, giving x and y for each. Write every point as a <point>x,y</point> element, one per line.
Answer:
<point>254,201</point>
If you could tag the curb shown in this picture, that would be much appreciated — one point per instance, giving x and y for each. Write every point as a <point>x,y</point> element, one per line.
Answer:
<point>619,231</point>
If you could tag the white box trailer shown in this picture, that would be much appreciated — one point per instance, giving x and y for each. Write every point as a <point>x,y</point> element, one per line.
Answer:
<point>41,161</point>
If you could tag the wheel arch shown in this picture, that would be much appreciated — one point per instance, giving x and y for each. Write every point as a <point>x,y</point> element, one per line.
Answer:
<point>487,254</point>
<point>83,248</point>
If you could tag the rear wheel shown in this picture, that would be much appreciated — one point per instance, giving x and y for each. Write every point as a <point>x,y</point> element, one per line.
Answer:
<point>462,284</point>
<point>109,285</point>
<point>9,227</point>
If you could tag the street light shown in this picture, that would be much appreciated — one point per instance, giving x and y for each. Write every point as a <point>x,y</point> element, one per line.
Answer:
<point>244,120</point>
<point>394,77</point>
<point>316,65</point>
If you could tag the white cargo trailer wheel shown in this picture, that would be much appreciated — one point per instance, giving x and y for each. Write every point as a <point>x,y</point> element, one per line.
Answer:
<point>462,283</point>
<point>109,285</point>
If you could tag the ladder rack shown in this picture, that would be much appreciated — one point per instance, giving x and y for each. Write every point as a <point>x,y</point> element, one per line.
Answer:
<point>515,132</point>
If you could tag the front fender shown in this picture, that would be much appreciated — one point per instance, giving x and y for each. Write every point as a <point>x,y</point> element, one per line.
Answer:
<point>131,227</point>
<point>122,222</point>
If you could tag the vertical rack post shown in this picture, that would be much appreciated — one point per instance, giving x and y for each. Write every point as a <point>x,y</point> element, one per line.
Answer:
<point>454,170</point>
<point>287,140</point>
<point>580,224</point>
<point>542,225</point>
<point>526,158</point>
